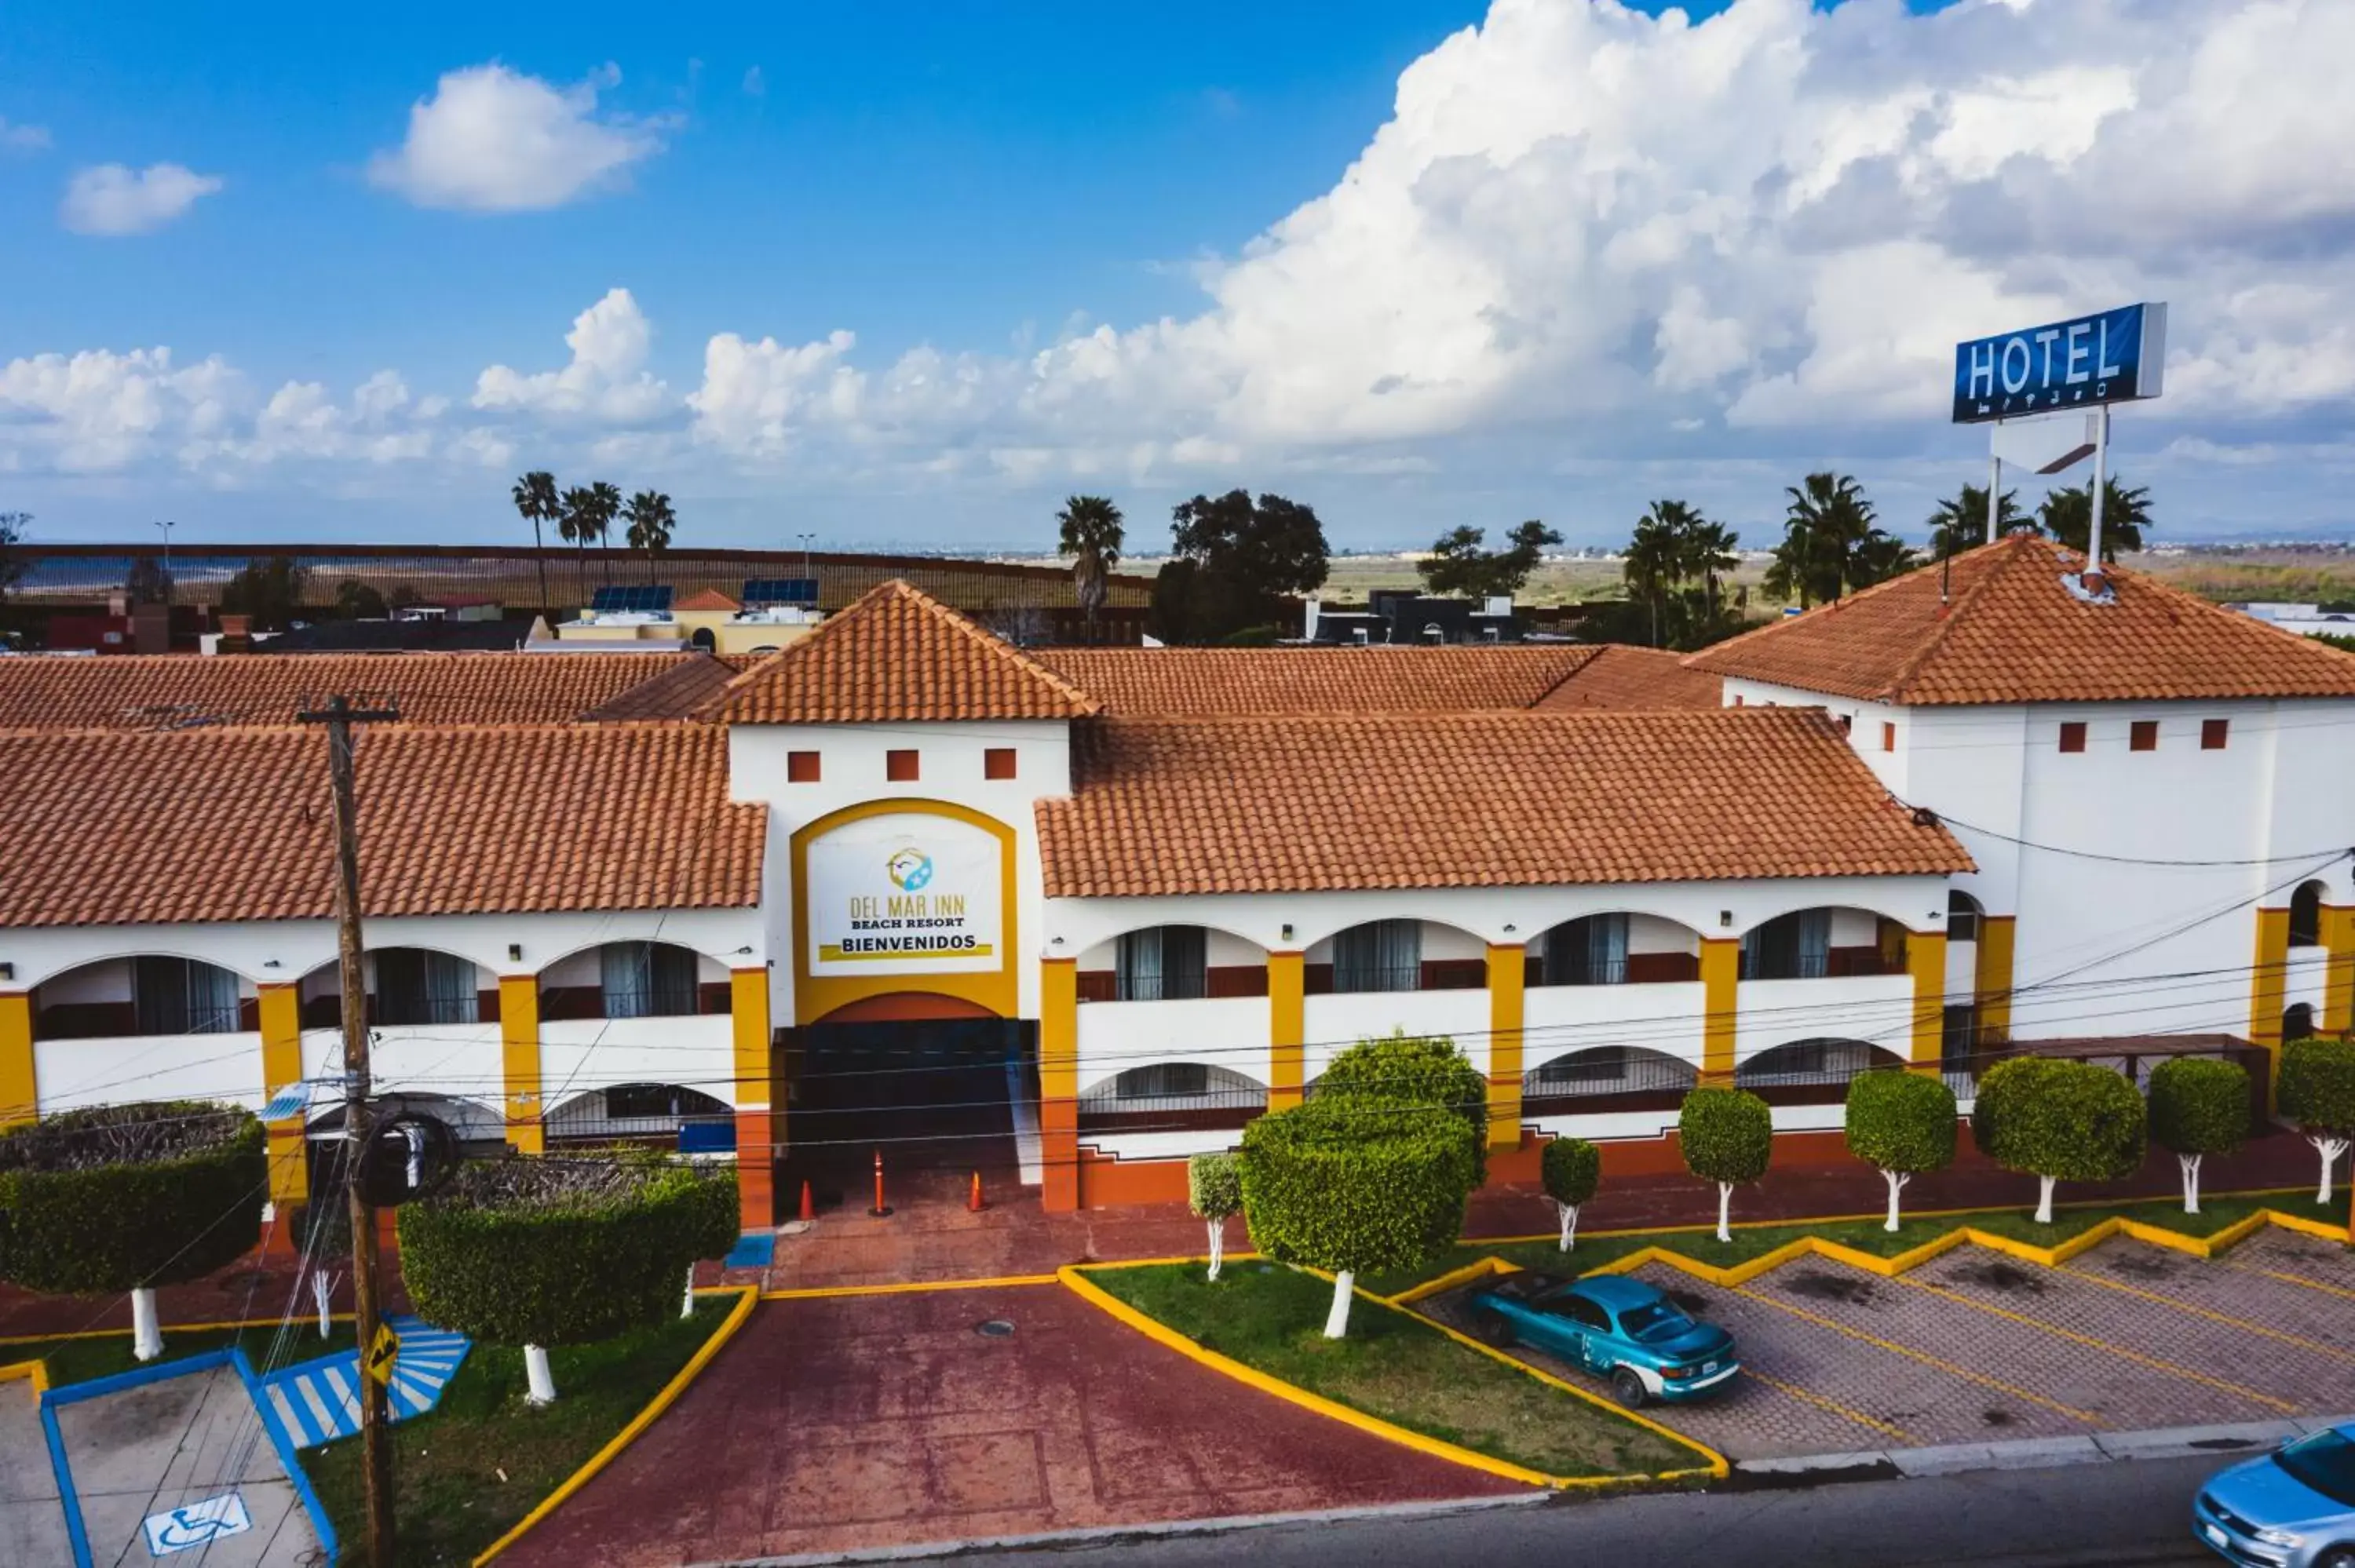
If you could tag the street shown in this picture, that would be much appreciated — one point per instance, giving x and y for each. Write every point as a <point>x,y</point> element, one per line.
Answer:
<point>2086,1516</point>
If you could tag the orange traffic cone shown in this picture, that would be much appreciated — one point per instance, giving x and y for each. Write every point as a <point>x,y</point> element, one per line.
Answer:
<point>809,1209</point>
<point>881,1210</point>
<point>973,1202</point>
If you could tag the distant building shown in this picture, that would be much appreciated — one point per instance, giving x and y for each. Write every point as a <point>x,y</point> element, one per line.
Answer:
<point>1401,616</point>
<point>2305,620</point>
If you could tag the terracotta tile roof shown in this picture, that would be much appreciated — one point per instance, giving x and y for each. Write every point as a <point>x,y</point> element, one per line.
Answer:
<point>1297,804</point>
<point>1212,681</point>
<point>233,824</point>
<point>178,691</point>
<point>900,655</point>
<point>686,690</point>
<point>707,598</point>
<point>1627,679</point>
<point>2010,632</point>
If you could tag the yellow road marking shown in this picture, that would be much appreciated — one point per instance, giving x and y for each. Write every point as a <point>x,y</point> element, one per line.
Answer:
<point>913,1288</point>
<point>2300,1340</point>
<point>2090,1342</point>
<point>1795,1392</point>
<point>1924,1357</point>
<point>2287,1278</point>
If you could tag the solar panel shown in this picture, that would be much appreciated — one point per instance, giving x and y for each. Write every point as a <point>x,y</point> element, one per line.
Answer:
<point>632,598</point>
<point>780,590</point>
<point>607,599</point>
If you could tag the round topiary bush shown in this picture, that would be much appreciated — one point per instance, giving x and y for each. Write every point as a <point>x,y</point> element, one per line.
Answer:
<point>1427,1071</point>
<point>1214,1189</point>
<point>1902,1125</point>
<point>2317,1090</point>
<point>2199,1107</point>
<point>538,1252</point>
<point>1728,1137</point>
<point>131,1197</point>
<point>1572,1169</point>
<point>2059,1120</point>
<point>1347,1184</point>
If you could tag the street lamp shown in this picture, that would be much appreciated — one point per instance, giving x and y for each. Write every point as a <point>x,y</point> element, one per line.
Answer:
<point>806,539</point>
<point>168,528</point>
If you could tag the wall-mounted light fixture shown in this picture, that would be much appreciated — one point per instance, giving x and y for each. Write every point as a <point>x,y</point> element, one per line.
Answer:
<point>269,963</point>
<point>1725,916</point>
<point>1511,927</point>
<point>1287,930</point>
<point>743,952</point>
<point>8,972</point>
<point>1054,941</point>
<point>515,952</point>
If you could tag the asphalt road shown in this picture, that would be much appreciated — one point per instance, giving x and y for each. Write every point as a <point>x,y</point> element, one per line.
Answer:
<point>2083,1516</point>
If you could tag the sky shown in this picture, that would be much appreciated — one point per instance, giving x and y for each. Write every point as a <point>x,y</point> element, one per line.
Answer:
<point>907,275</point>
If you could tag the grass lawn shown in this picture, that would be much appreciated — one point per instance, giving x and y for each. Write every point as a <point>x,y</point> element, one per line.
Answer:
<point>80,1359</point>
<point>1393,1366</point>
<point>447,1466</point>
<point>1700,1243</point>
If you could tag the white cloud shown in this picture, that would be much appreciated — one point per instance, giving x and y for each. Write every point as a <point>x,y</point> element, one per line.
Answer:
<point>17,137</point>
<point>606,379</point>
<point>755,394</point>
<point>98,411</point>
<point>113,198</point>
<point>494,139</point>
<point>755,84</point>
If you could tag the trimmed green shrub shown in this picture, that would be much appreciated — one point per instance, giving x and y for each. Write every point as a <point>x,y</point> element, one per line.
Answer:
<point>129,1197</point>
<point>1728,1136</point>
<point>1572,1169</point>
<point>1349,1184</point>
<point>1415,1070</point>
<point>2317,1090</point>
<point>1214,1189</point>
<point>2199,1107</point>
<point>1902,1125</point>
<point>2059,1120</point>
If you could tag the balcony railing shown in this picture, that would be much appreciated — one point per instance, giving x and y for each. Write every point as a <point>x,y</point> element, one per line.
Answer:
<point>1212,1109</point>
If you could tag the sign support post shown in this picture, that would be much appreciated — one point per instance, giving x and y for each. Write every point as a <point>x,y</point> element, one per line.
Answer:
<point>2101,483</point>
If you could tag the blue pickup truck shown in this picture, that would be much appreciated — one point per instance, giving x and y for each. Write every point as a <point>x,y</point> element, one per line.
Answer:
<point>1617,1327</point>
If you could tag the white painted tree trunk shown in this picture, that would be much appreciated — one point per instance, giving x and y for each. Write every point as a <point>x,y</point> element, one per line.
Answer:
<point>1896,1179</point>
<point>534,1371</point>
<point>2331,1148</point>
<point>146,1337</point>
<point>2190,1164</point>
<point>1569,1224</point>
<point>1725,1210</point>
<point>1337,1321</point>
<point>320,1291</point>
<point>2045,1185</point>
<point>1217,1243</point>
<point>686,1303</point>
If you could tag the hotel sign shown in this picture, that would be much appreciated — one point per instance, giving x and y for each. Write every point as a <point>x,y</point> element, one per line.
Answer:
<point>905,894</point>
<point>2112,356</point>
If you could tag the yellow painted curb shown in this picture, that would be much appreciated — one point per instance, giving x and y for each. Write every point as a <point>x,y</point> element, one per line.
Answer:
<point>35,1372</point>
<point>2305,1227</point>
<point>747,1297</point>
<point>916,1287</point>
<point>1455,1279</point>
<point>169,1329</point>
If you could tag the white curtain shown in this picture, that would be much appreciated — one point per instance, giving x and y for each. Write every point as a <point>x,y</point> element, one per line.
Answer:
<point>1381,955</point>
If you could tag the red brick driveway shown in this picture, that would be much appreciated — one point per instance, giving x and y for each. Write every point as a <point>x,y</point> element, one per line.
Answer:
<point>843,1422</point>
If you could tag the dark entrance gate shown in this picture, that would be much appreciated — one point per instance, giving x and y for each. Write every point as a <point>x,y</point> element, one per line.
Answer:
<point>934,1097</point>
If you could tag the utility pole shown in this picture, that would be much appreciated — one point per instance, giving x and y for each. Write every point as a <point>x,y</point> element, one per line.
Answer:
<point>376,1443</point>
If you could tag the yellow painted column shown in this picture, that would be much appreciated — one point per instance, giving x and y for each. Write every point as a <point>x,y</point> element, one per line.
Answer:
<point>1721,971</point>
<point>1287,1028</point>
<point>519,1060</point>
<point>1991,980</point>
<point>280,1008</point>
<point>1508,983</point>
<point>2338,979</point>
<point>759,1118</point>
<point>1925,961</point>
<point>2268,989</point>
<point>1059,1084</point>
<point>20,1098</point>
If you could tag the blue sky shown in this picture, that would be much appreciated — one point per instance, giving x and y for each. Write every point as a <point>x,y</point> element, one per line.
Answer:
<point>912,273</point>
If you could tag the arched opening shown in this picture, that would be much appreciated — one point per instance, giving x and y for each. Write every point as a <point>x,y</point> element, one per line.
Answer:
<point>148,994</point>
<point>410,987</point>
<point>1616,949</point>
<point>1826,943</point>
<point>662,1116</point>
<point>1809,1071</point>
<point>1396,955</point>
<point>702,640</point>
<point>1962,912</point>
<point>1171,1096</point>
<point>1606,1077</point>
<point>2298,1022</point>
<point>633,980</point>
<point>904,1007</point>
<point>1172,963</point>
<point>2306,915</point>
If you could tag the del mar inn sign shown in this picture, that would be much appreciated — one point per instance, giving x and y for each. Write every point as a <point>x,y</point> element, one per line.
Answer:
<point>2111,357</point>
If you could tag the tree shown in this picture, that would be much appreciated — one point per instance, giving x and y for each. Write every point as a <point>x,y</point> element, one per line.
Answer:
<point>129,1197</point>
<point>651,522</point>
<point>1728,1136</point>
<point>536,498</point>
<point>269,589</point>
<point>1675,567</point>
<point>2199,1107</point>
<point>1571,1169</point>
<point>1902,1125</point>
<point>1214,1191</point>
<point>583,522</point>
<point>1459,565</point>
<point>2059,1120</point>
<point>2068,516</point>
<point>1091,535</point>
<point>147,582</point>
<point>1249,556</point>
<point>356,601</point>
<point>2315,1089</point>
<point>1960,524</point>
<point>1421,1073</point>
<point>13,526</point>
<point>538,1252</point>
<point>605,504</point>
<point>1830,544</point>
<point>1353,1183</point>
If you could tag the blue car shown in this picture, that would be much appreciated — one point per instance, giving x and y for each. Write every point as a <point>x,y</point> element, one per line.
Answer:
<point>1617,1327</point>
<point>2293,1508</point>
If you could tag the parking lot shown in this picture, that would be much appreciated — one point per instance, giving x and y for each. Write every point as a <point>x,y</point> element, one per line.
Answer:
<point>1977,1346</point>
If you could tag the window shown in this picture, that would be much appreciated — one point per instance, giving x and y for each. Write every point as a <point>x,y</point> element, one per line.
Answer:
<point>2213,732</point>
<point>900,767</point>
<point>2072,735</point>
<point>183,996</point>
<point>997,762</point>
<point>2306,915</point>
<point>415,986</point>
<point>801,768</point>
<point>1847,722</point>
<point>1962,917</point>
<point>646,979</point>
<point>1592,951</point>
<point>1382,955</point>
<point>1599,1064</point>
<point>1789,947</point>
<point>1737,700</point>
<point>1581,1311</point>
<point>1888,737</point>
<point>2142,735</point>
<point>1162,1081</point>
<point>1166,963</point>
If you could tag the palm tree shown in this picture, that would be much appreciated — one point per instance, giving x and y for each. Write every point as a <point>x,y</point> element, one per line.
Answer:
<point>2068,516</point>
<point>576,524</point>
<point>1654,562</point>
<point>1707,557</point>
<point>1828,518</point>
<point>607,499</point>
<point>1091,536</point>
<point>651,522</point>
<point>536,498</point>
<point>1960,522</point>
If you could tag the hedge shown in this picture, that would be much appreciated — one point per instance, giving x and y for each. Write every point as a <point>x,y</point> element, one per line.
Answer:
<point>1572,1169</point>
<point>562,1252</point>
<point>2199,1106</point>
<point>1213,1186</point>
<point>2052,1116</point>
<point>1901,1121</point>
<point>1415,1070</point>
<point>1356,1184</point>
<point>118,1197</point>
<point>2317,1086</point>
<point>1728,1135</point>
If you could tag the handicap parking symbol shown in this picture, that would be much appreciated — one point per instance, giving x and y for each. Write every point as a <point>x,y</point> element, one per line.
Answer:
<point>197,1524</point>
